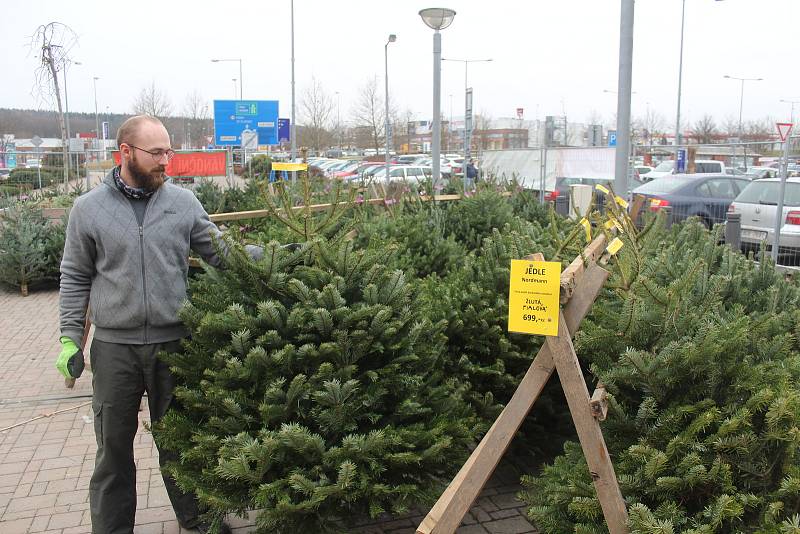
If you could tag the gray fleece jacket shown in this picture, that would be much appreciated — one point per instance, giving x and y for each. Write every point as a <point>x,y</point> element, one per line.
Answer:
<point>133,277</point>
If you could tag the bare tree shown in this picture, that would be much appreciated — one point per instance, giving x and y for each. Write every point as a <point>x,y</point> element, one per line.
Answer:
<point>594,117</point>
<point>705,129</point>
<point>730,126</point>
<point>759,130</point>
<point>650,124</point>
<point>152,101</point>
<point>316,113</point>
<point>481,124</point>
<point>195,113</point>
<point>54,41</point>
<point>369,112</point>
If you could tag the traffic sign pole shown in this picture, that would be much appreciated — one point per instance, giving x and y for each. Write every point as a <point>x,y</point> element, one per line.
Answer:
<point>784,129</point>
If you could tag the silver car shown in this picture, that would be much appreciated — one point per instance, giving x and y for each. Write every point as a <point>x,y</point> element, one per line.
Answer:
<point>758,206</point>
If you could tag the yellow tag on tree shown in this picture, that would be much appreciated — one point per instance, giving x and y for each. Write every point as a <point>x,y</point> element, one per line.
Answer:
<point>614,246</point>
<point>533,299</point>
<point>602,189</point>
<point>622,202</point>
<point>587,226</point>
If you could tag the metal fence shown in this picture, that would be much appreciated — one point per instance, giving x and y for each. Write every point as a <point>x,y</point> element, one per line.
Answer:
<point>741,231</point>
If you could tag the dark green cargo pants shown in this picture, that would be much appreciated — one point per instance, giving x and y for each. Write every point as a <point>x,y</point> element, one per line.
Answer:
<point>120,376</point>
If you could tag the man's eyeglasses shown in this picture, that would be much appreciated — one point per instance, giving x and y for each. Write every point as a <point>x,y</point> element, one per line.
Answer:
<point>157,154</point>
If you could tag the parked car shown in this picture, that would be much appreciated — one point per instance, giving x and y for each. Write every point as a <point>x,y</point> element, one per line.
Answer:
<point>405,159</point>
<point>664,168</point>
<point>358,172</point>
<point>344,170</point>
<point>693,195</point>
<point>413,174</point>
<point>643,169</point>
<point>445,165</point>
<point>757,173</point>
<point>758,206</point>
<point>563,187</point>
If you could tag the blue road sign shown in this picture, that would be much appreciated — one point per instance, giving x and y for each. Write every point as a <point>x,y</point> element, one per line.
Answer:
<point>681,167</point>
<point>231,117</point>
<point>612,138</point>
<point>284,130</point>
<point>11,156</point>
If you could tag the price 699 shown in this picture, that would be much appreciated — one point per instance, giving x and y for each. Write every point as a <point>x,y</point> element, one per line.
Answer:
<point>529,317</point>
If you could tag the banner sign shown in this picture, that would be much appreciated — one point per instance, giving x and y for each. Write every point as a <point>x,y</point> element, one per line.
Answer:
<point>193,163</point>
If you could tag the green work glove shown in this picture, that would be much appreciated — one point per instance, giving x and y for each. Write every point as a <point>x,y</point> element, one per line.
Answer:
<point>70,359</point>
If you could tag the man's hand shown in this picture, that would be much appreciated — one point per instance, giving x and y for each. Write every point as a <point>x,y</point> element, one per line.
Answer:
<point>70,360</point>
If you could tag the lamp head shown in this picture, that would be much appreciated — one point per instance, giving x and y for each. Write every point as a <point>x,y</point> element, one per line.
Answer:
<point>437,18</point>
<point>392,38</point>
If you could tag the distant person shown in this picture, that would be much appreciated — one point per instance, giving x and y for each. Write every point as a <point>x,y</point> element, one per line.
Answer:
<point>126,256</point>
<point>472,174</point>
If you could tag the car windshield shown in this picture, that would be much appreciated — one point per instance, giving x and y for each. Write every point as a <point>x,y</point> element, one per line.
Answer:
<point>763,192</point>
<point>660,186</point>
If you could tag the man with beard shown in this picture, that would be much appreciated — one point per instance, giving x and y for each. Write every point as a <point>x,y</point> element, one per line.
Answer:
<point>126,257</point>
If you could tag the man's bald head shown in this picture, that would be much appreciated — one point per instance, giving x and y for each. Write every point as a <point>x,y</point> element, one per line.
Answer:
<point>129,131</point>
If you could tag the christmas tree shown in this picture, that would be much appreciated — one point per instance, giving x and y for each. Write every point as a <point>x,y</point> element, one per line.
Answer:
<point>698,347</point>
<point>312,389</point>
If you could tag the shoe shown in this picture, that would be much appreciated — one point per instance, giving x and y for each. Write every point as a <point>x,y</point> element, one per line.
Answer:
<point>205,528</point>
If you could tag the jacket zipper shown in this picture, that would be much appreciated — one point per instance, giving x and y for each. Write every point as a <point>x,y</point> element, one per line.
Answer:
<point>144,278</point>
<point>141,253</point>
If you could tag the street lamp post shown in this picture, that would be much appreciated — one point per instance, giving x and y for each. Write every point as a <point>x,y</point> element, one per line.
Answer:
<point>240,74</point>
<point>292,126</point>
<point>467,131</point>
<point>96,116</point>
<point>392,38</point>
<point>622,159</point>
<point>680,83</point>
<point>338,121</point>
<point>741,106</point>
<point>437,18</point>
<point>792,102</point>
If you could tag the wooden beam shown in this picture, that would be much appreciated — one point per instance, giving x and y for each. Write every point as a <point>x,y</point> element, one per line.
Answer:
<point>568,276</point>
<point>446,515</point>
<point>589,432</point>
<point>636,208</point>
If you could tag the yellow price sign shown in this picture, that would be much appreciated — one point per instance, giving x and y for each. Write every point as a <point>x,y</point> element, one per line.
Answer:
<point>622,202</point>
<point>533,297</point>
<point>602,189</point>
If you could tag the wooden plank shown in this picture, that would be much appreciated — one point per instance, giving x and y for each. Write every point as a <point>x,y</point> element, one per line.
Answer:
<point>453,504</point>
<point>589,432</point>
<point>257,214</point>
<point>589,285</point>
<point>636,208</point>
<point>568,276</point>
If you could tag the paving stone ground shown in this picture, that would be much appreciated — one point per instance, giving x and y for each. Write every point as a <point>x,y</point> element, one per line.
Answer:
<point>46,463</point>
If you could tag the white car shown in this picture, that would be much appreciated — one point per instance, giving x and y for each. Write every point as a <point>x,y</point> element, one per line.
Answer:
<point>445,164</point>
<point>413,174</point>
<point>758,206</point>
<point>664,168</point>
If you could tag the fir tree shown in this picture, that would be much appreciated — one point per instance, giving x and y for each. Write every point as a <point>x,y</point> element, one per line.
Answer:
<point>698,347</point>
<point>312,390</point>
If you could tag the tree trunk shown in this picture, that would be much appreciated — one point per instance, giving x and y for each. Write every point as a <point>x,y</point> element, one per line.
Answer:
<point>47,57</point>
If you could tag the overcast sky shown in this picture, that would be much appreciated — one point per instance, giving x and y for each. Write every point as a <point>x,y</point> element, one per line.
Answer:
<point>550,57</point>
